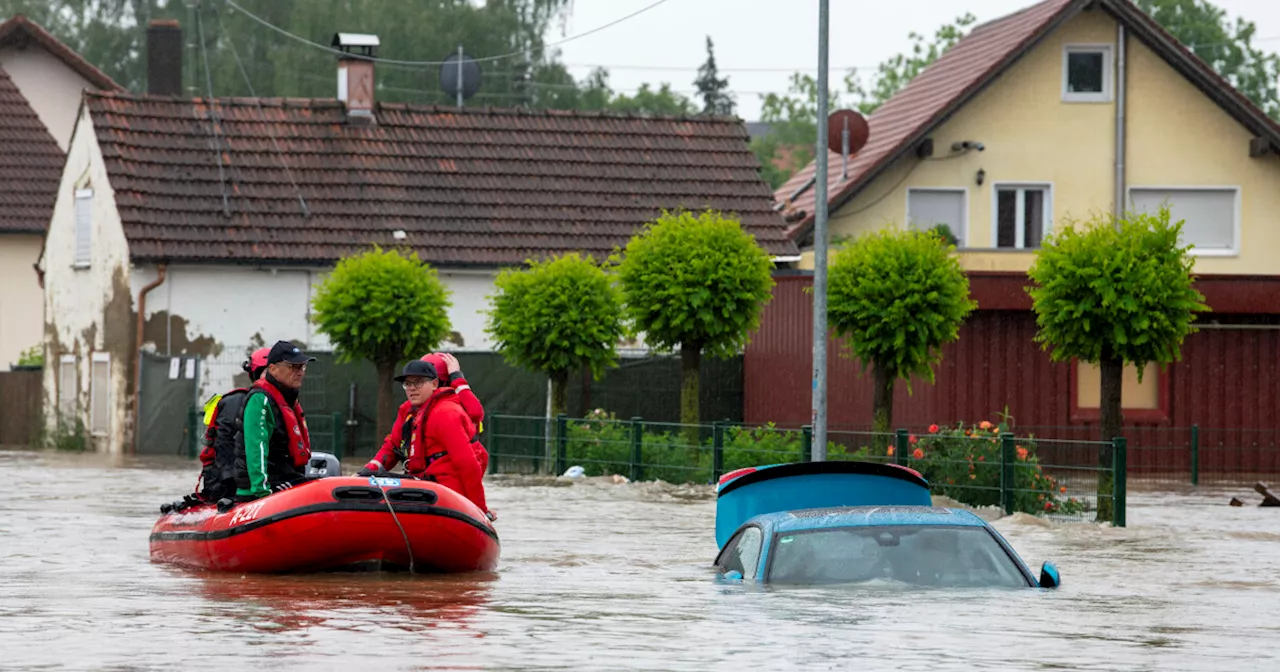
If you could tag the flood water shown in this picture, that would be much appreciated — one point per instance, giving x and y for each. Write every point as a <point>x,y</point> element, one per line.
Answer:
<point>602,576</point>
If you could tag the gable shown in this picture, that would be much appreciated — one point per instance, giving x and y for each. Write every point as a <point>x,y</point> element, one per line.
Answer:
<point>288,181</point>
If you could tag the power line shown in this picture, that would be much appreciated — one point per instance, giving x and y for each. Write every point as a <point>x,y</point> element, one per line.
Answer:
<point>282,31</point>
<point>214,123</point>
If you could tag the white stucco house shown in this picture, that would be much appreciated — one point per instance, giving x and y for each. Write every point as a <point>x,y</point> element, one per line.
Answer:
<point>41,82</point>
<point>216,219</point>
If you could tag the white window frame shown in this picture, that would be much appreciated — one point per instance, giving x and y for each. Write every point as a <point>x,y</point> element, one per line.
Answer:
<point>86,196</point>
<point>1236,227</point>
<point>1020,234</point>
<point>962,235</point>
<point>68,397</point>
<point>1108,79</point>
<point>93,392</point>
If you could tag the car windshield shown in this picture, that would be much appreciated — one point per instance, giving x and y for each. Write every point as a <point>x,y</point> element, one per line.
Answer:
<point>927,555</point>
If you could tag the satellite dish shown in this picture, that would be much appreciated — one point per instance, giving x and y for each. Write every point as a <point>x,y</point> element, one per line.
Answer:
<point>460,76</point>
<point>855,123</point>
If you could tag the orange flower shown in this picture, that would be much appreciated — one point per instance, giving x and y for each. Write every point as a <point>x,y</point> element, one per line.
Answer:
<point>933,429</point>
<point>972,476</point>
<point>1048,506</point>
<point>918,454</point>
<point>982,458</point>
<point>985,425</point>
<point>1063,490</point>
<point>913,439</point>
<point>1022,453</point>
<point>889,452</point>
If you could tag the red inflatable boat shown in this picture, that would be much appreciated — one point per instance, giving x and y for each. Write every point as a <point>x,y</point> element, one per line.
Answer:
<point>333,523</point>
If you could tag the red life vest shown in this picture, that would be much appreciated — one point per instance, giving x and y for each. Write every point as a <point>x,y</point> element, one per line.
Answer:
<point>295,424</point>
<point>419,432</point>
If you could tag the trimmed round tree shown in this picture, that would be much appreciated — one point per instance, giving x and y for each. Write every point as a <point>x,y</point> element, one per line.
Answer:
<point>1115,292</point>
<point>896,296</point>
<point>386,307</point>
<point>555,317</point>
<point>697,282</point>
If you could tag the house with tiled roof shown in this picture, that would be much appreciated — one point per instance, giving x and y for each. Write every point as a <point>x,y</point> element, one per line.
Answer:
<point>190,226</point>
<point>41,81</point>
<point>1034,121</point>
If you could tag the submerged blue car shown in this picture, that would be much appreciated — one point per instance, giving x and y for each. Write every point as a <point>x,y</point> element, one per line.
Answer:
<point>856,522</point>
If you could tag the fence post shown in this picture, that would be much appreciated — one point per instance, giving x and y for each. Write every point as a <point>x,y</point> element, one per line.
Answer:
<point>338,430</point>
<point>491,437</point>
<point>1119,477</point>
<point>193,433</point>
<point>1195,454</point>
<point>806,443</point>
<point>562,443</point>
<point>1007,480</point>
<point>637,441</point>
<point>900,445</point>
<point>717,451</point>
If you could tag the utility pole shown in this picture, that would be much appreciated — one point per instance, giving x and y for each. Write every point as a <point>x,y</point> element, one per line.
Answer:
<point>819,420</point>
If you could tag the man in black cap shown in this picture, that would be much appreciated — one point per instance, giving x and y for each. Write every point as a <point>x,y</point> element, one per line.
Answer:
<point>273,444</point>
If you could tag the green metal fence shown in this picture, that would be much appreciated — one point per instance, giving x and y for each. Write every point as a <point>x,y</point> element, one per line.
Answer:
<point>1060,479</point>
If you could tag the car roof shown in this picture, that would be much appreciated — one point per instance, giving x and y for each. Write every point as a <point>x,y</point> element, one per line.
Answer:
<point>865,516</point>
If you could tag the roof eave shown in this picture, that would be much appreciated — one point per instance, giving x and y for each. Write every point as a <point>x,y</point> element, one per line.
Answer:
<point>69,57</point>
<point>844,195</point>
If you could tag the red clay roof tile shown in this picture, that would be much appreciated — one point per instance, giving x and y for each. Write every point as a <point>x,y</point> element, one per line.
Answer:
<point>30,164</point>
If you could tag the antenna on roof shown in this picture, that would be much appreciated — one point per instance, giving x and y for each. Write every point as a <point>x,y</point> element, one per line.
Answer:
<point>460,76</point>
<point>851,128</point>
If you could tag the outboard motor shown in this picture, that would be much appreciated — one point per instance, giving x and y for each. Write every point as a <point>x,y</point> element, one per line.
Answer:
<point>323,464</point>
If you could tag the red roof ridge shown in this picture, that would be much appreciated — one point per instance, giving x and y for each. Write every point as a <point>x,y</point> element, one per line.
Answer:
<point>20,23</point>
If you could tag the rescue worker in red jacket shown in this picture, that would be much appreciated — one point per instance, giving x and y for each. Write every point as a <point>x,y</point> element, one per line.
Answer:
<point>448,368</point>
<point>437,438</point>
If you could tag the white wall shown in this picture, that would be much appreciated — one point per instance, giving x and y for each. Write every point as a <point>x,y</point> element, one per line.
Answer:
<point>77,300</point>
<point>21,300</point>
<point>49,85</point>
<point>470,297</point>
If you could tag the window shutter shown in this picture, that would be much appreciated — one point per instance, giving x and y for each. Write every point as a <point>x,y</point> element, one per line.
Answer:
<point>84,227</point>
<point>100,393</point>
<point>1210,214</point>
<point>67,386</point>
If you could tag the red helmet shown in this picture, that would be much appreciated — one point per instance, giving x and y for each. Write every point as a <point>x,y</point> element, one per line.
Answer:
<point>442,369</point>
<point>256,361</point>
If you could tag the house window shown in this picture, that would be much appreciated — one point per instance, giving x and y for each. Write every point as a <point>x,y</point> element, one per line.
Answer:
<point>1146,401</point>
<point>1211,215</point>
<point>84,228</point>
<point>1086,73</point>
<point>67,386</point>
<point>1022,215</point>
<point>927,208</point>
<point>100,394</point>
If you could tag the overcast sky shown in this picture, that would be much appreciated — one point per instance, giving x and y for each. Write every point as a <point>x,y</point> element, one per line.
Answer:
<point>667,43</point>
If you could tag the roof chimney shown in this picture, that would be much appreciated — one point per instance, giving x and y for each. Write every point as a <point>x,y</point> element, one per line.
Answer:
<point>355,75</point>
<point>164,58</point>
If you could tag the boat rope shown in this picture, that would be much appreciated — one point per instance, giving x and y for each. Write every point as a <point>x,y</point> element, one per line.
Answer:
<point>396,518</point>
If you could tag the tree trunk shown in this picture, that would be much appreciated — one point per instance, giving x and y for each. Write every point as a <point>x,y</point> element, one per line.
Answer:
<point>386,397</point>
<point>690,357</point>
<point>559,393</point>
<point>1112,370</point>
<point>882,406</point>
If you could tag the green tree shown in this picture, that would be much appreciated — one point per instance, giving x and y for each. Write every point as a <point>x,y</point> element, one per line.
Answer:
<point>697,282</point>
<point>386,307</point>
<point>896,72</point>
<point>1115,292</point>
<point>1227,47</point>
<point>713,90</point>
<point>555,317</point>
<point>897,296</point>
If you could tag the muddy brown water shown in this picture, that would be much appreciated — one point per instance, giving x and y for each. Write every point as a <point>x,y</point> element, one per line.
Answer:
<point>603,576</point>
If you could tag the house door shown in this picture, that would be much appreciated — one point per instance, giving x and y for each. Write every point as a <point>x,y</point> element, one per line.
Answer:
<point>169,388</point>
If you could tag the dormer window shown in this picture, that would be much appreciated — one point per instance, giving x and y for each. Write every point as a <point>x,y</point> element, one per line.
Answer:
<point>1086,73</point>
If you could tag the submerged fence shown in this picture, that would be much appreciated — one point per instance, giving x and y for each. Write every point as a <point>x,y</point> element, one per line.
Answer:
<point>982,466</point>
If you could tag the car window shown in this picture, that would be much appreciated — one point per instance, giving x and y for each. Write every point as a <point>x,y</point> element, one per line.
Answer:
<point>742,553</point>
<point>933,555</point>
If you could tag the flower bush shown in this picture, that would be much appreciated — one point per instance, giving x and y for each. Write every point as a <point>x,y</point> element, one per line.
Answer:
<point>964,463</point>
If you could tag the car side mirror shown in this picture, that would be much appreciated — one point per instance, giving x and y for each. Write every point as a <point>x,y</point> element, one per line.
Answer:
<point>1049,577</point>
<point>733,575</point>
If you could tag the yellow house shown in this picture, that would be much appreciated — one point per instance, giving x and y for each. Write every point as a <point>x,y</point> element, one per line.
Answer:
<point>1049,116</point>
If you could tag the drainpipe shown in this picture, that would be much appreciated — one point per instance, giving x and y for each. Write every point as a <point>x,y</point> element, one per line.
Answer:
<point>1121,80</point>
<point>137,353</point>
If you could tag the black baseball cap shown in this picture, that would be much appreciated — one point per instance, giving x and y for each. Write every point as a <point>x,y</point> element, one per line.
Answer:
<point>284,351</point>
<point>417,367</point>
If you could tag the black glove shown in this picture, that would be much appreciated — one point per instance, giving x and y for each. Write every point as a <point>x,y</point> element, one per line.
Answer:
<point>225,504</point>
<point>366,471</point>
